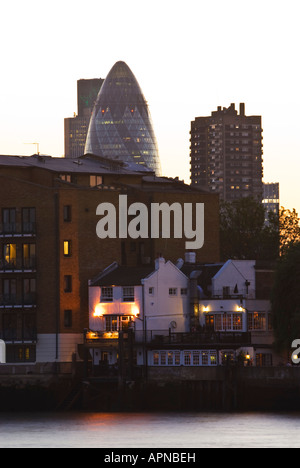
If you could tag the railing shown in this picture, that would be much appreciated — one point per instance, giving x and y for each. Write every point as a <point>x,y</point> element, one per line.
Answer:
<point>12,300</point>
<point>26,264</point>
<point>12,335</point>
<point>231,293</point>
<point>17,229</point>
<point>163,337</point>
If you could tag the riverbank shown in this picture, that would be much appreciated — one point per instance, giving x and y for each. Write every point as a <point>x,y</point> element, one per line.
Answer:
<point>218,389</point>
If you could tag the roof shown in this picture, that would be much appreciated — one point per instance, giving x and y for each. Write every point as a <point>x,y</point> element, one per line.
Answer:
<point>85,164</point>
<point>207,273</point>
<point>122,276</point>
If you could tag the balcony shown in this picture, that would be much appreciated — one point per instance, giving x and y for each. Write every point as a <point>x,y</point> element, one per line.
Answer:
<point>18,265</point>
<point>17,229</point>
<point>164,338</point>
<point>15,301</point>
<point>12,335</point>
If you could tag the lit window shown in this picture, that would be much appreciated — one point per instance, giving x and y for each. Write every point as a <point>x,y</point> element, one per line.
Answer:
<point>95,180</point>
<point>10,255</point>
<point>66,177</point>
<point>67,248</point>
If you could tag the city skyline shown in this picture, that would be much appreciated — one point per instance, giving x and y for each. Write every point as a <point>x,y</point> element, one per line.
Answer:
<point>189,59</point>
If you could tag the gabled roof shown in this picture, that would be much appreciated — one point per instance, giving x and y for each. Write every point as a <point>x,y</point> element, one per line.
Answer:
<point>202,272</point>
<point>123,276</point>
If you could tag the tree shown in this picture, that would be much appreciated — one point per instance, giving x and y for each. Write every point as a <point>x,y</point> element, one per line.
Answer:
<point>286,298</point>
<point>289,228</point>
<point>244,234</point>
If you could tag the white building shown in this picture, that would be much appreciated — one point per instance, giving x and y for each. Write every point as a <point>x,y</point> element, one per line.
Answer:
<point>178,315</point>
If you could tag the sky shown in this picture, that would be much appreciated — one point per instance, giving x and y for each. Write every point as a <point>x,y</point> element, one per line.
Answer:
<point>189,57</point>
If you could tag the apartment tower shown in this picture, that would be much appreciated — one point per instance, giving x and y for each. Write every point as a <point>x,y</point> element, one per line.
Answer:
<point>226,153</point>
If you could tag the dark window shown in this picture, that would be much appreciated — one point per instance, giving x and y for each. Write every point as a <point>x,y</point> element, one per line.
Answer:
<point>67,213</point>
<point>9,220</point>
<point>68,318</point>
<point>28,220</point>
<point>68,283</point>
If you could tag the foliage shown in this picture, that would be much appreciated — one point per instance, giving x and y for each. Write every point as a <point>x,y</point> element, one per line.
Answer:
<point>244,234</point>
<point>289,228</point>
<point>286,298</point>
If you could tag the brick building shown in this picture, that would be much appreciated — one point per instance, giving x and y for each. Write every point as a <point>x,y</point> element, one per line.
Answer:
<point>49,246</point>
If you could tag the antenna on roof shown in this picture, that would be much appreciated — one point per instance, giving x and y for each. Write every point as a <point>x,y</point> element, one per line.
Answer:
<point>37,147</point>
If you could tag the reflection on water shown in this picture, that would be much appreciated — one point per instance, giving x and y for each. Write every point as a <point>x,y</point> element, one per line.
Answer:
<point>115,430</point>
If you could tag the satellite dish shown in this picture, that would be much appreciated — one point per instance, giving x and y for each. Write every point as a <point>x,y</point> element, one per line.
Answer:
<point>173,324</point>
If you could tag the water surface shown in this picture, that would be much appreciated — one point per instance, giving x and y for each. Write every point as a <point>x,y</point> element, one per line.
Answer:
<point>144,430</point>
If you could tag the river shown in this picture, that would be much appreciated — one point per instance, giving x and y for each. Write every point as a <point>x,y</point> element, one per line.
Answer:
<point>149,430</point>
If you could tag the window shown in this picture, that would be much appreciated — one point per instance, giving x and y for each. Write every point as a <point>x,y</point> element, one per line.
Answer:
<point>264,360</point>
<point>163,358</point>
<point>236,322</point>
<point>196,358</point>
<point>95,180</point>
<point>177,358</point>
<point>9,288</point>
<point>204,358</point>
<point>67,213</point>
<point>9,220</point>
<point>68,318</point>
<point>187,358</point>
<point>256,321</point>
<point>29,256</point>
<point>106,294</point>
<point>28,220</point>
<point>151,291</point>
<point>67,248</point>
<point>20,353</point>
<point>213,358</point>
<point>65,177</point>
<point>10,255</point>
<point>29,291</point>
<point>117,322</point>
<point>156,358</point>
<point>172,291</point>
<point>68,283</point>
<point>128,294</point>
<point>183,291</point>
<point>170,358</point>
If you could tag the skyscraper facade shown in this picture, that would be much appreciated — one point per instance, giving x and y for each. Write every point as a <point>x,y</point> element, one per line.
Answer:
<point>76,127</point>
<point>121,126</point>
<point>271,200</point>
<point>226,153</point>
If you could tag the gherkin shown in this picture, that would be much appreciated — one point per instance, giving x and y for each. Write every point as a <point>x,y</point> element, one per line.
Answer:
<point>121,126</point>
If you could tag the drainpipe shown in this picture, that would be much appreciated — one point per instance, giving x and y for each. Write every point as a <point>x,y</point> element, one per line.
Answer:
<point>145,354</point>
<point>57,266</point>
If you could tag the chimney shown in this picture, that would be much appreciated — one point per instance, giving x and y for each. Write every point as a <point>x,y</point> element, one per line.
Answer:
<point>158,262</point>
<point>190,257</point>
<point>242,108</point>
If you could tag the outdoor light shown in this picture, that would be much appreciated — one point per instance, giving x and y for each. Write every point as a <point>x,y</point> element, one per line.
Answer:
<point>98,311</point>
<point>206,308</point>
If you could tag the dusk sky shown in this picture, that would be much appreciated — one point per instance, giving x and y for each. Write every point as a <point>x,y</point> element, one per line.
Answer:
<point>188,56</point>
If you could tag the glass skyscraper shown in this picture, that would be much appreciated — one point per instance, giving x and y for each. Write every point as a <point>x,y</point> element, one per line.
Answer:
<point>121,127</point>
